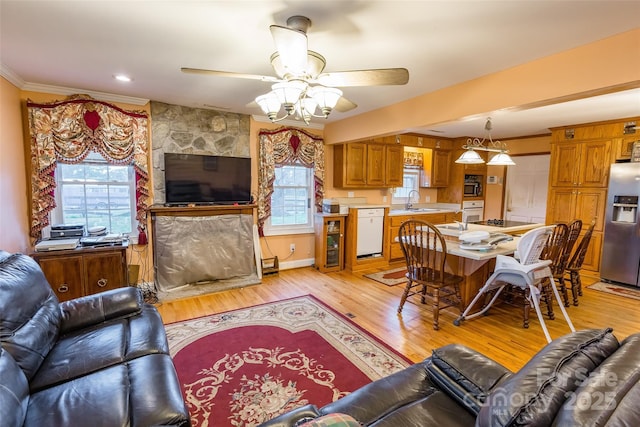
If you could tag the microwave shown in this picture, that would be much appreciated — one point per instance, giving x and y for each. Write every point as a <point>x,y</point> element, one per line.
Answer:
<point>472,189</point>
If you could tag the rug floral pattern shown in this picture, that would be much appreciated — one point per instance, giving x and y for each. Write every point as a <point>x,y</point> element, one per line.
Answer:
<point>263,379</point>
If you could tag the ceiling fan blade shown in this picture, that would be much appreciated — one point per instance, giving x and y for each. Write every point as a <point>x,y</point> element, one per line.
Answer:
<point>291,44</point>
<point>375,77</point>
<point>230,74</point>
<point>344,105</point>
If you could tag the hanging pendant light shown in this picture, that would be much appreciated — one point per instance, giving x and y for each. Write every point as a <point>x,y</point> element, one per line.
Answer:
<point>470,156</point>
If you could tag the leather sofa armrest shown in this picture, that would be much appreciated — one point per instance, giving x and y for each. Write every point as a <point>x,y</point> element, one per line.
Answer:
<point>93,309</point>
<point>375,400</point>
<point>465,375</point>
<point>293,417</point>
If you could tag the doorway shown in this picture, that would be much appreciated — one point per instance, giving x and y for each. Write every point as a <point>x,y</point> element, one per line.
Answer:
<point>526,189</point>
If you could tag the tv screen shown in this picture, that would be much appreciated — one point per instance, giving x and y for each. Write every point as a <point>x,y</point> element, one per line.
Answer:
<point>201,179</point>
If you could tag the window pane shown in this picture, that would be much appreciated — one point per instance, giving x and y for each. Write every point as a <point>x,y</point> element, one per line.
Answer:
<point>95,193</point>
<point>289,201</point>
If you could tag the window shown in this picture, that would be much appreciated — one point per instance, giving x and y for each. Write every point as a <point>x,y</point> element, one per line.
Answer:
<point>410,182</point>
<point>291,203</point>
<point>96,193</point>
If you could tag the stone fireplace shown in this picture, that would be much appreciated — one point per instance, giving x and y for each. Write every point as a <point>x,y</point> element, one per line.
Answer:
<point>196,246</point>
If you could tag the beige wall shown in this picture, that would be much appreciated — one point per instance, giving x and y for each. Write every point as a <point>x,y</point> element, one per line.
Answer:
<point>494,195</point>
<point>587,70</point>
<point>14,224</point>
<point>595,68</point>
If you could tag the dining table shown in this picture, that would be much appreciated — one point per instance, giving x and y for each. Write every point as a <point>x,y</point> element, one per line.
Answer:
<point>477,265</point>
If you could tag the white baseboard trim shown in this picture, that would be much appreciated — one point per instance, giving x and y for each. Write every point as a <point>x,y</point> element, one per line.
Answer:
<point>287,265</point>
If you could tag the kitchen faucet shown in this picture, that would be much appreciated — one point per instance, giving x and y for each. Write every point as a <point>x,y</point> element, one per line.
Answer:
<point>409,205</point>
<point>463,226</point>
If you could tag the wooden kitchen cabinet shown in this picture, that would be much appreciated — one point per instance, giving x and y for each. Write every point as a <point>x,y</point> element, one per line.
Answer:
<point>435,170</point>
<point>393,248</point>
<point>394,169</point>
<point>625,147</point>
<point>586,204</point>
<point>376,165</point>
<point>329,242</point>
<point>367,165</point>
<point>350,165</point>
<point>84,271</point>
<point>580,164</point>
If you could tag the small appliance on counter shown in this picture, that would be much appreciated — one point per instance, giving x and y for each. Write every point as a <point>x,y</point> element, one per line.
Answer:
<point>66,231</point>
<point>330,206</point>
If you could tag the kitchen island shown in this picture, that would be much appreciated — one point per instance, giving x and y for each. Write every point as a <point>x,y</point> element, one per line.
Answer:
<point>477,265</point>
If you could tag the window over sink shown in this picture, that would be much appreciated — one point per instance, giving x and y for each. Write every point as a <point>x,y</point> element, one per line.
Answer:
<point>410,182</point>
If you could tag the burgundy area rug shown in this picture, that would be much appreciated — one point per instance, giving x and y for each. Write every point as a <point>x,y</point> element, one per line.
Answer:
<point>244,367</point>
<point>391,277</point>
<point>620,290</point>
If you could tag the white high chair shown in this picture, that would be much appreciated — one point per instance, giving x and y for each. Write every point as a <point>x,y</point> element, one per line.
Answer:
<point>525,271</point>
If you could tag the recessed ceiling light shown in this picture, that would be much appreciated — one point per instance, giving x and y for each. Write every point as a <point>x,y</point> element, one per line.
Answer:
<point>122,78</point>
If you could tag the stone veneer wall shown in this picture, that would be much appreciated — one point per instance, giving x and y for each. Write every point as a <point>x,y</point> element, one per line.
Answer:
<point>179,129</point>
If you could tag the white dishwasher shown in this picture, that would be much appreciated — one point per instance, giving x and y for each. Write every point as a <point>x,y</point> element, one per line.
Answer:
<point>370,232</point>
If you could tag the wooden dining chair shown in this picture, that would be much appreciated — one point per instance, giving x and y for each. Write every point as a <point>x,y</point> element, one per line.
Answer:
<point>552,251</point>
<point>559,267</point>
<point>527,272</point>
<point>575,264</point>
<point>425,253</point>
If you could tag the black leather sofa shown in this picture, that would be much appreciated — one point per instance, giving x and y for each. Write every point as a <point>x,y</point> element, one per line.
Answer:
<point>586,378</point>
<point>100,360</point>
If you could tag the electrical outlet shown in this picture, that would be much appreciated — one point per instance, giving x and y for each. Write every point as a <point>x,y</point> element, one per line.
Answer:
<point>427,199</point>
<point>384,199</point>
<point>292,247</point>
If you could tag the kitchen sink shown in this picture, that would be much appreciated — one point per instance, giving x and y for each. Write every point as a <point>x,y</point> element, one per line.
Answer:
<point>449,227</point>
<point>423,210</point>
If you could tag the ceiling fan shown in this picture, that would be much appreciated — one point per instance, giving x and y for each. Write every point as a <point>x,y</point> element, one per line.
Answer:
<point>301,87</point>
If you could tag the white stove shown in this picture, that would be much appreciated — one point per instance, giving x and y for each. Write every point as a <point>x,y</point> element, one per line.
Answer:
<point>472,211</point>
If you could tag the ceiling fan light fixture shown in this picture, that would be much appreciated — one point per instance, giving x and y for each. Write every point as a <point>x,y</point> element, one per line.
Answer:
<point>288,94</point>
<point>270,104</point>
<point>326,97</point>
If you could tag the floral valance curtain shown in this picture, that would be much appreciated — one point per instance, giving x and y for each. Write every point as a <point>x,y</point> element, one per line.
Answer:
<point>286,146</point>
<point>67,131</point>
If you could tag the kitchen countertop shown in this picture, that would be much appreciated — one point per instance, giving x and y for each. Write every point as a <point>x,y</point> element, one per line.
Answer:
<point>418,211</point>
<point>452,229</point>
<point>503,248</point>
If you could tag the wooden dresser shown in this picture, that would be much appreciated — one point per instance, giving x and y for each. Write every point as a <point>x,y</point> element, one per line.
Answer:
<point>84,271</point>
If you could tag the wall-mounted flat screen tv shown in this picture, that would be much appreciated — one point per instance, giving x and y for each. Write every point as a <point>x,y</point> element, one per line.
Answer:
<point>202,179</point>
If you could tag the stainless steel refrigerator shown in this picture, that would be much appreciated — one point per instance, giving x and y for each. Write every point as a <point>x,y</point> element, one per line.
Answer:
<point>621,248</point>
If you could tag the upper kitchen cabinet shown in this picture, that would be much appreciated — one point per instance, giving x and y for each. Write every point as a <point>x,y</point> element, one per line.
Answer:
<point>350,165</point>
<point>581,164</point>
<point>434,165</point>
<point>393,165</point>
<point>361,164</point>
<point>624,146</point>
<point>435,171</point>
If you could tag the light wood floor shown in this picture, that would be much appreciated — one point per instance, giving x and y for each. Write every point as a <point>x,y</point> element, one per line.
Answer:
<point>374,307</point>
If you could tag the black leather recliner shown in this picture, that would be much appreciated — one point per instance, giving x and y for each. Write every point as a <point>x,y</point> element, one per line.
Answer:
<point>586,378</point>
<point>99,360</point>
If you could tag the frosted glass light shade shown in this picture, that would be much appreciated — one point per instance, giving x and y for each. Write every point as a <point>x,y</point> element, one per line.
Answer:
<point>326,97</point>
<point>270,104</point>
<point>501,159</point>
<point>288,94</point>
<point>470,157</point>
